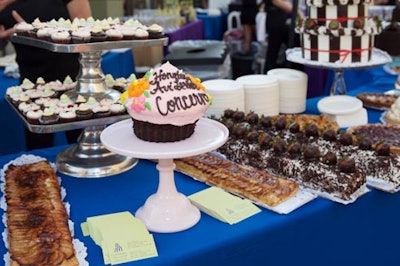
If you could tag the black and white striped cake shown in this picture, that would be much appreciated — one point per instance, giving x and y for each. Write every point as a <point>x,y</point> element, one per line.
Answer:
<point>337,31</point>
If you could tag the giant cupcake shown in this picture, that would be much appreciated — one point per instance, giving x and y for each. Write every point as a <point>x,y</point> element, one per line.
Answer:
<point>165,104</point>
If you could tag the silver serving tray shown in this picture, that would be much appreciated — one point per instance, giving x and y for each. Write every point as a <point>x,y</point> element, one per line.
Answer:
<point>87,47</point>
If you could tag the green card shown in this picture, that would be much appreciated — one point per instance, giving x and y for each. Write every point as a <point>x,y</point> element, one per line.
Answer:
<point>121,236</point>
<point>223,205</point>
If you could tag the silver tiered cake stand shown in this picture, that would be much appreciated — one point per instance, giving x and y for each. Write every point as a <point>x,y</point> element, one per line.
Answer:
<point>88,158</point>
<point>338,86</point>
<point>167,210</point>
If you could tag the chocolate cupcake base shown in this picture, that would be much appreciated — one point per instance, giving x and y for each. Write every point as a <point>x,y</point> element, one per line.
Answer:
<point>162,133</point>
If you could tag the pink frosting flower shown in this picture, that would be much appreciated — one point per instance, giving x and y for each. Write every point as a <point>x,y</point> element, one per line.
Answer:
<point>138,104</point>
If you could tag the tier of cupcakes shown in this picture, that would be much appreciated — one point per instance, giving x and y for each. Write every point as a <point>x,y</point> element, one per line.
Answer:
<point>47,103</point>
<point>65,31</point>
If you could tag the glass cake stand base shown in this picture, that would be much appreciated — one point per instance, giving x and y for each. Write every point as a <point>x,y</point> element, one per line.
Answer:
<point>89,158</point>
<point>338,86</point>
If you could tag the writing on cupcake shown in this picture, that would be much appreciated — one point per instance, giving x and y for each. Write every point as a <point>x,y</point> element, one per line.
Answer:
<point>163,87</point>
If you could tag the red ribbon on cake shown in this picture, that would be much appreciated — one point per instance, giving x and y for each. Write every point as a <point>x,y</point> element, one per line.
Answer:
<point>340,19</point>
<point>342,53</point>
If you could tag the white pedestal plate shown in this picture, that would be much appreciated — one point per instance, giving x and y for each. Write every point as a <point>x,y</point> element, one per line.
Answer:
<point>338,86</point>
<point>167,210</point>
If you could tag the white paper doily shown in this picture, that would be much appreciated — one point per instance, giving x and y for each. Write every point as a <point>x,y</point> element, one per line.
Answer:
<point>80,248</point>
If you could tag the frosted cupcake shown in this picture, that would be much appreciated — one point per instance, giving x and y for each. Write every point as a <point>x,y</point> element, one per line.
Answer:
<point>61,37</point>
<point>27,84</point>
<point>97,34</point>
<point>128,33</point>
<point>23,29</point>
<point>69,83</point>
<point>141,34</point>
<point>58,87</point>
<point>40,82</point>
<point>120,84</point>
<point>109,79</point>
<point>113,35</point>
<point>24,107</point>
<point>132,77</point>
<point>34,94</point>
<point>101,111</point>
<point>165,104</point>
<point>51,103</point>
<point>106,101</point>
<point>44,34</point>
<point>48,117</point>
<point>13,93</point>
<point>65,101</point>
<point>23,98</point>
<point>80,99</point>
<point>155,31</point>
<point>80,35</point>
<point>92,102</point>
<point>67,116</point>
<point>33,116</point>
<point>48,92</point>
<point>83,112</point>
<point>37,24</point>
<point>117,109</point>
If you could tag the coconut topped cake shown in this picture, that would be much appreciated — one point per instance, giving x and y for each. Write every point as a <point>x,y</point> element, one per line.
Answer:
<point>166,97</point>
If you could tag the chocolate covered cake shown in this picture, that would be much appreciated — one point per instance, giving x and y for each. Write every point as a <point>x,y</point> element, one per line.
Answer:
<point>316,156</point>
<point>337,31</point>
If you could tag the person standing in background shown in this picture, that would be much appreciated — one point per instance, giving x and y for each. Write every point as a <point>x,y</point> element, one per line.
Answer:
<point>35,62</point>
<point>278,30</point>
<point>248,21</point>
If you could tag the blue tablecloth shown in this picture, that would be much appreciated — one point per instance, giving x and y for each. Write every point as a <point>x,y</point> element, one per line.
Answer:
<point>14,142</point>
<point>319,233</point>
<point>119,63</point>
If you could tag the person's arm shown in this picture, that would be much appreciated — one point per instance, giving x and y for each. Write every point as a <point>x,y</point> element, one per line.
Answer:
<point>5,33</point>
<point>283,4</point>
<point>5,3</point>
<point>79,9</point>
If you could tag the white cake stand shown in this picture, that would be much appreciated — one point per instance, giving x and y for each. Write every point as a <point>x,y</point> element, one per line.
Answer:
<point>167,210</point>
<point>338,86</point>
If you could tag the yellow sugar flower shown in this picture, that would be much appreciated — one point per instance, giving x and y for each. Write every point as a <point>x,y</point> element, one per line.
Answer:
<point>196,81</point>
<point>123,96</point>
<point>137,87</point>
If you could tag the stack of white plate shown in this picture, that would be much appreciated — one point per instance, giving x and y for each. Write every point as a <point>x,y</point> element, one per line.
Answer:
<point>226,94</point>
<point>292,89</point>
<point>346,110</point>
<point>261,94</point>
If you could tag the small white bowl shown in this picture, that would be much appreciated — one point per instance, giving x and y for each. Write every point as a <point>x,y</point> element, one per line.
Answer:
<point>339,105</point>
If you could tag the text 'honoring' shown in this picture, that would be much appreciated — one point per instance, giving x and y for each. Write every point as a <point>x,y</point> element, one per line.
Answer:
<point>164,83</point>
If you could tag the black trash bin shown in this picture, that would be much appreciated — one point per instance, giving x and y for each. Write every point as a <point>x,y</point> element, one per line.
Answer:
<point>242,64</point>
